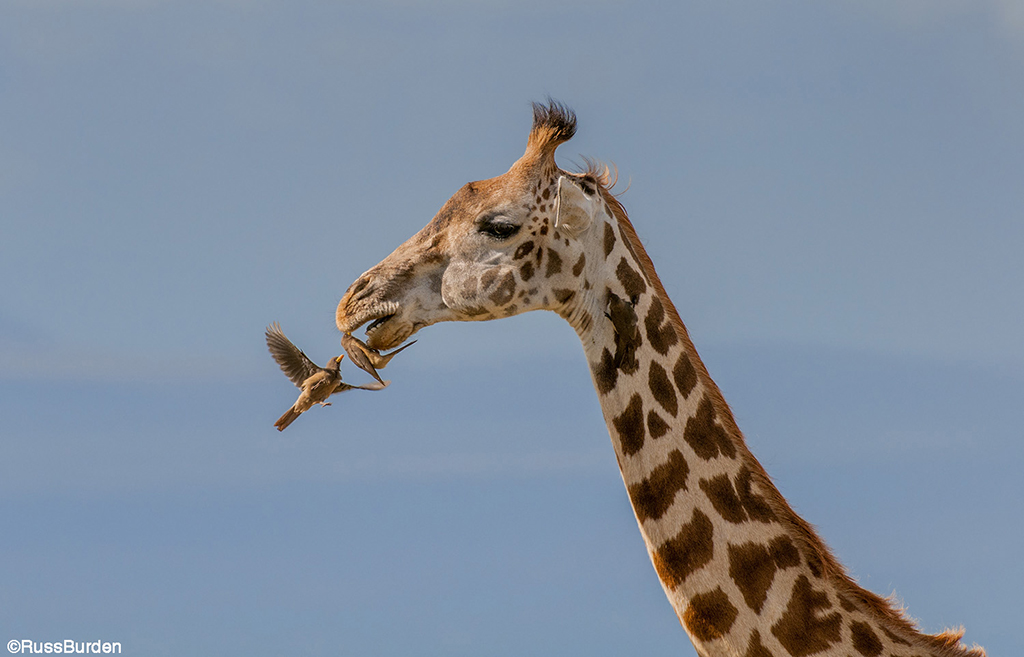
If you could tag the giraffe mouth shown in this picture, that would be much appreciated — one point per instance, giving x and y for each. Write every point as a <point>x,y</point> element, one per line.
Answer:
<point>377,323</point>
<point>385,329</point>
<point>377,315</point>
<point>388,332</point>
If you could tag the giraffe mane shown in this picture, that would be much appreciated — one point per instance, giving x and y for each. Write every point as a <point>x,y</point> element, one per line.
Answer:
<point>946,643</point>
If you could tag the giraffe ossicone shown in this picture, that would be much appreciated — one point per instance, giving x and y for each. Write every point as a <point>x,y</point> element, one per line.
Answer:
<point>744,573</point>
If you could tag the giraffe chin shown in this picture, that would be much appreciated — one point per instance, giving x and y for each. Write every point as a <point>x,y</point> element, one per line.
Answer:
<point>388,334</point>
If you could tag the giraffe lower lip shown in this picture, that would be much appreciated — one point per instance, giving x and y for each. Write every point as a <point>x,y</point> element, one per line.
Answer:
<point>376,323</point>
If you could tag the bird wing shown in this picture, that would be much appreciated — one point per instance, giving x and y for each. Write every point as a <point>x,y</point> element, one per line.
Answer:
<point>296,365</point>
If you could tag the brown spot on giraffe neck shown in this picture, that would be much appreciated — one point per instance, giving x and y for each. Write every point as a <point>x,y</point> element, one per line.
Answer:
<point>803,629</point>
<point>865,641</point>
<point>685,375</point>
<point>724,499</point>
<point>659,331</point>
<point>736,503</point>
<point>577,269</point>
<point>753,571</point>
<point>526,271</point>
<point>710,615</point>
<point>755,648</point>
<point>632,282</point>
<point>609,239</point>
<point>752,567</point>
<point>784,552</point>
<point>554,265</point>
<point>662,389</point>
<point>630,426</point>
<point>562,295</point>
<point>892,637</point>
<point>653,496</point>
<point>756,506</point>
<point>814,565</point>
<point>691,548</point>
<point>706,438</point>
<point>606,372</point>
<point>656,426</point>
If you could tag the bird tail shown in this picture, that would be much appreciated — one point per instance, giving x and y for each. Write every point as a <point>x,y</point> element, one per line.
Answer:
<point>286,419</point>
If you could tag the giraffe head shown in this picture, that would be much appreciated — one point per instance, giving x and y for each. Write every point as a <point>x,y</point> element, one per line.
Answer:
<point>497,248</point>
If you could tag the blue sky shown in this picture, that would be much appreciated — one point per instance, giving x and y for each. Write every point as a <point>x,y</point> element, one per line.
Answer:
<point>832,196</point>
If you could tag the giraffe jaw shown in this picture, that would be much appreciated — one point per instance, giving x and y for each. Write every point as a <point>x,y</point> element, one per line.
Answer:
<point>385,333</point>
<point>377,322</point>
<point>389,334</point>
<point>386,328</point>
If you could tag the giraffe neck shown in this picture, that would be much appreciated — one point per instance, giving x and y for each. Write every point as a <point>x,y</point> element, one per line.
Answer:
<point>745,575</point>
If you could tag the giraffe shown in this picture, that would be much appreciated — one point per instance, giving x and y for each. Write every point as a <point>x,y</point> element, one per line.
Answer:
<point>746,575</point>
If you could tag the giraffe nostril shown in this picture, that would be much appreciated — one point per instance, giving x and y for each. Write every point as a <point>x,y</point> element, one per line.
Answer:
<point>360,289</point>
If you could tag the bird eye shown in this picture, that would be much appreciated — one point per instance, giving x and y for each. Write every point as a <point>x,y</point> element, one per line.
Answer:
<point>500,228</point>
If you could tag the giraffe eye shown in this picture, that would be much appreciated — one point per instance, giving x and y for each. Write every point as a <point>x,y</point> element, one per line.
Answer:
<point>498,227</point>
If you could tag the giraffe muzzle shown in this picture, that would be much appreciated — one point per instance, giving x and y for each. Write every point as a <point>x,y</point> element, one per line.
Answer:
<point>378,314</point>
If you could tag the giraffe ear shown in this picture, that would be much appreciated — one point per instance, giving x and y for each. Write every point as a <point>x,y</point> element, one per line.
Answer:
<point>574,210</point>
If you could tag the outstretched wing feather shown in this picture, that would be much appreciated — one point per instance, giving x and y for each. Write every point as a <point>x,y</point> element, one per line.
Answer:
<point>296,365</point>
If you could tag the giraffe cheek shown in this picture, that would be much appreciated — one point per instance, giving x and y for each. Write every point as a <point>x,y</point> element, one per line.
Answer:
<point>459,286</point>
<point>472,289</point>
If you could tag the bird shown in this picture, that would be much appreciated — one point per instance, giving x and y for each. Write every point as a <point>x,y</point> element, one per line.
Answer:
<point>627,328</point>
<point>317,383</point>
<point>365,358</point>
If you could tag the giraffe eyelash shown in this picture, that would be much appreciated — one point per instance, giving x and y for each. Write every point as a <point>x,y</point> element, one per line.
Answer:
<point>497,227</point>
